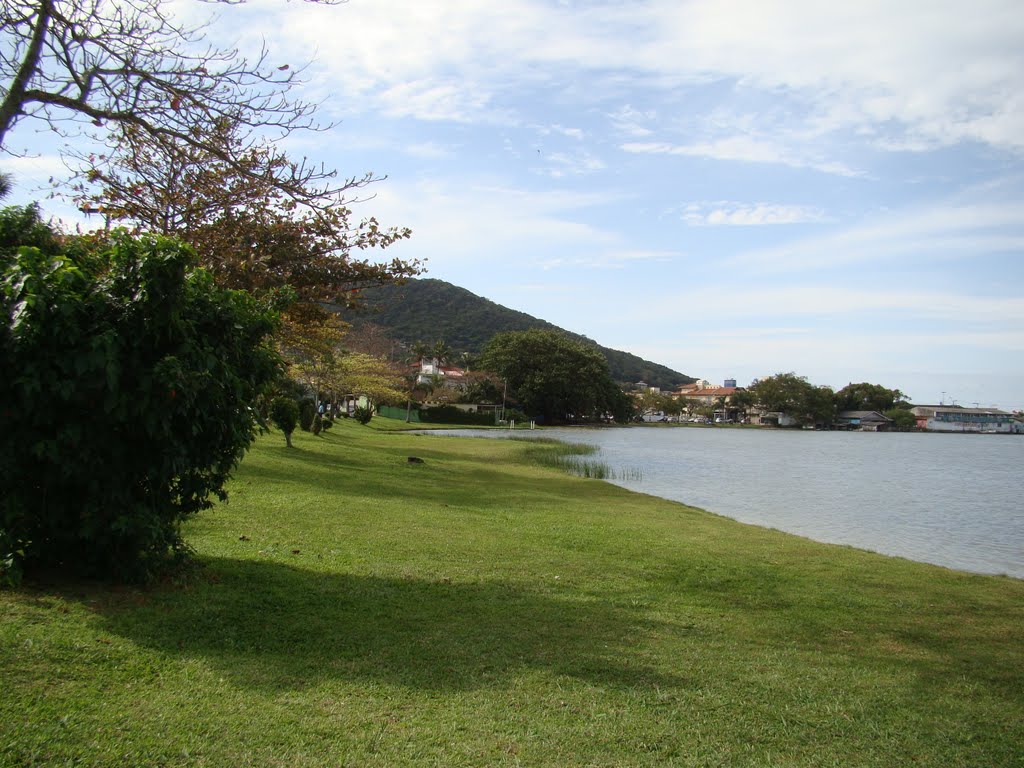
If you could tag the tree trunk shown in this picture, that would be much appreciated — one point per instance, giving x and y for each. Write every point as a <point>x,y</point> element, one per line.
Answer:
<point>14,103</point>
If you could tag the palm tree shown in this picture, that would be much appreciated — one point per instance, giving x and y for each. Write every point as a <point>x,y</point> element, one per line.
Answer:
<point>5,185</point>
<point>441,352</point>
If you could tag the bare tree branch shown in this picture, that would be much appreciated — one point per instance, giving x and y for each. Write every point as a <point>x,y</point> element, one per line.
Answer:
<point>128,63</point>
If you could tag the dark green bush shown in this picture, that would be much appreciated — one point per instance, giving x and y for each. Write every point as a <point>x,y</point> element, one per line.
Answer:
<point>307,412</point>
<point>449,414</point>
<point>284,412</point>
<point>517,416</point>
<point>127,399</point>
<point>362,414</point>
<point>318,424</point>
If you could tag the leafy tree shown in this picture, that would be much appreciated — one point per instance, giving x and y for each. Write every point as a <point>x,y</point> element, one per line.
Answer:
<point>903,419</point>
<point>194,135</point>
<point>554,377</point>
<point>307,414</point>
<point>794,396</point>
<point>312,354</point>
<point>367,375</point>
<point>742,400</point>
<point>362,414</point>
<point>321,364</point>
<point>673,407</point>
<point>284,412</point>
<point>441,351</point>
<point>129,396</point>
<point>868,397</point>
<point>480,387</point>
<point>23,226</point>
<point>650,402</point>
<point>371,339</point>
<point>97,65</point>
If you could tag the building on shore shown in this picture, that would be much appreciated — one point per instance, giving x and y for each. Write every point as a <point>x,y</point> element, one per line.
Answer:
<point>864,421</point>
<point>953,418</point>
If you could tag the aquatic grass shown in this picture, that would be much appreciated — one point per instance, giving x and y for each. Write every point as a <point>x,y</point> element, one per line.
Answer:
<point>353,609</point>
<point>566,457</point>
<point>631,474</point>
<point>571,457</point>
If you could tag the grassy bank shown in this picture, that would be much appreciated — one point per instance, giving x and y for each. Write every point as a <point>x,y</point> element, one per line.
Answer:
<point>482,609</point>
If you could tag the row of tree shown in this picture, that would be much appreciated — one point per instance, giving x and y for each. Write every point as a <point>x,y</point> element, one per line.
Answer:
<point>794,396</point>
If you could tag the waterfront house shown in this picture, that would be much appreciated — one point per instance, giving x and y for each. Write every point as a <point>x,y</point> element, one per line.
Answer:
<point>431,371</point>
<point>865,421</point>
<point>953,418</point>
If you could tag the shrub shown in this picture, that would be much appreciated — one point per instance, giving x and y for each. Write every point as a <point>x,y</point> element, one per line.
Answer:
<point>318,424</point>
<point>362,414</point>
<point>449,414</point>
<point>127,395</point>
<point>307,412</point>
<point>284,412</point>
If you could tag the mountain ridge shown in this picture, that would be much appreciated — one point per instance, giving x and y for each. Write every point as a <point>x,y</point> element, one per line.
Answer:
<point>431,310</point>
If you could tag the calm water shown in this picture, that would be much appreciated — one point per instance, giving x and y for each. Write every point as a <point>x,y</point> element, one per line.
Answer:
<point>952,500</point>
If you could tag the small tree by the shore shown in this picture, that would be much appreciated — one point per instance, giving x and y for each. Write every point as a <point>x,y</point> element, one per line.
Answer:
<point>284,412</point>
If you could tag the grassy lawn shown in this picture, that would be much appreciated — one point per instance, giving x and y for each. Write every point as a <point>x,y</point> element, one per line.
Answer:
<point>483,609</point>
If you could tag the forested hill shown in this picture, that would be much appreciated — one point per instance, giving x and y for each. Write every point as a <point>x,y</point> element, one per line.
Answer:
<point>433,310</point>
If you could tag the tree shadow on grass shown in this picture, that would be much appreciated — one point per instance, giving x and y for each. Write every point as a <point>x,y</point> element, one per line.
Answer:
<point>273,626</point>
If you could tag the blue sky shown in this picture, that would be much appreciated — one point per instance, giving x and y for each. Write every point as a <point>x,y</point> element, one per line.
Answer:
<point>730,188</point>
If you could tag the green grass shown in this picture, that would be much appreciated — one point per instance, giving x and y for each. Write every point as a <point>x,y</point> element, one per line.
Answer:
<point>483,609</point>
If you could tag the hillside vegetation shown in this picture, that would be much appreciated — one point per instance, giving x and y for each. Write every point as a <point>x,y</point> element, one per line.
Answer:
<point>433,310</point>
<point>483,609</point>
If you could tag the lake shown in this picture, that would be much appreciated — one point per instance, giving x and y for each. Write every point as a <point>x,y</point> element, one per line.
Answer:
<point>951,500</point>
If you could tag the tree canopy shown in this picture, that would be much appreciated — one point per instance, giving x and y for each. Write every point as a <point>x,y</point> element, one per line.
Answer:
<point>868,397</point>
<point>243,227</point>
<point>796,397</point>
<point>554,377</point>
<point>192,138</point>
<point>129,392</point>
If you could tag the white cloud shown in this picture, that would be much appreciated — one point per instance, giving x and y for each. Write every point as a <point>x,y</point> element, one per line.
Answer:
<point>561,164</point>
<point>561,130</point>
<point>426,149</point>
<point>631,122</point>
<point>440,100</point>
<point>829,301</point>
<point>612,258</point>
<point>932,72</point>
<point>726,213</point>
<point>461,223</point>
<point>965,229</point>
<point>745,149</point>
<point>33,171</point>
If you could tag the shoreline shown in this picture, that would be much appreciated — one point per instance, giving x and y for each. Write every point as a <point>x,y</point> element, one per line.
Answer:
<point>480,609</point>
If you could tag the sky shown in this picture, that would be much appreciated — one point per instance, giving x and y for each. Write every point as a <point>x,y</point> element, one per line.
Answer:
<point>732,188</point>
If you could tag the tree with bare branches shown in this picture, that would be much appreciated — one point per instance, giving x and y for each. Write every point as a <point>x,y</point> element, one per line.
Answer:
<point>72,64</point>
<point>190,132</point>
<point>250,233</point>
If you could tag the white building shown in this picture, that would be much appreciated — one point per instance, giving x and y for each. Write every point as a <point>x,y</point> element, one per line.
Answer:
<point>952,418</point>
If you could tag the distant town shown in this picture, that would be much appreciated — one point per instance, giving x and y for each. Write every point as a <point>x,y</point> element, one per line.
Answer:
<point>784,400</point>
<point>790,402</point>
